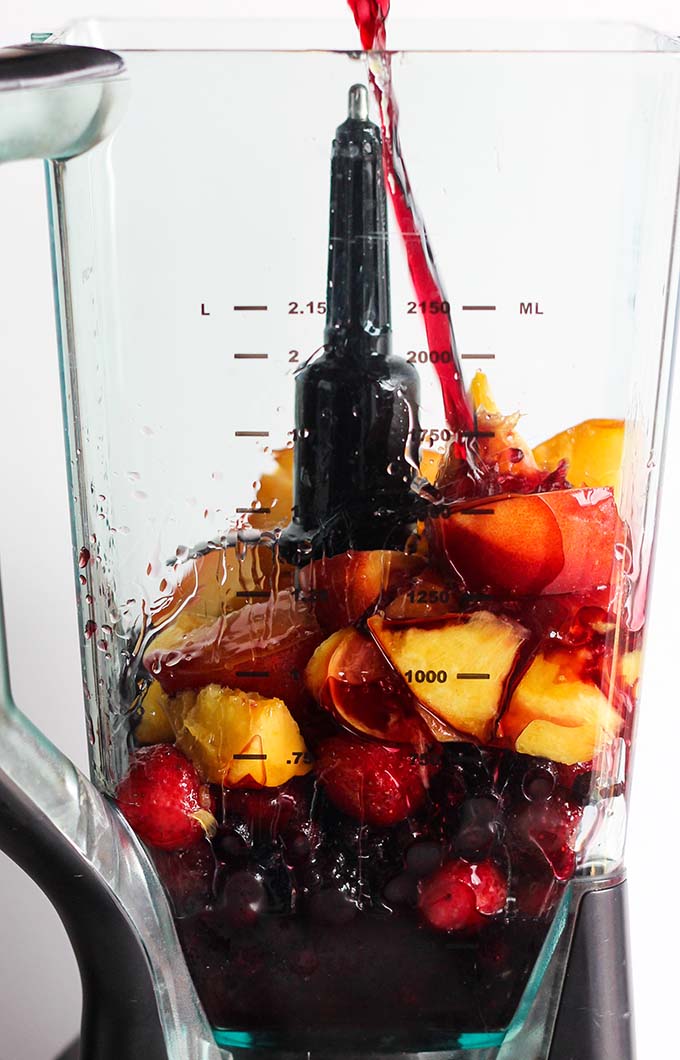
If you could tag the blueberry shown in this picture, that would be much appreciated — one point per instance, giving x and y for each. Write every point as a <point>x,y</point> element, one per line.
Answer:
<point>279,883</point>
<point>401,890</point>
<point>423,857</point>
<point>539,783</point>
<point>243,899</point>
<point>232,846</point>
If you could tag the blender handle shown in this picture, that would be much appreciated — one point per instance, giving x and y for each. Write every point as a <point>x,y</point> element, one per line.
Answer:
<point>57,101</point>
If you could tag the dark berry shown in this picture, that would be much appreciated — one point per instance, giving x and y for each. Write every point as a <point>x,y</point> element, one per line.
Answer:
<point>164,800</point>
<point>243,899</point>
<point>539,783</point>
<point>548,828</point>
<point>233,843</point>
<point>270,811</point>
<point>423,857</point>
<point>301,845</point>
<point>402,890</point>
<point>279,883</point>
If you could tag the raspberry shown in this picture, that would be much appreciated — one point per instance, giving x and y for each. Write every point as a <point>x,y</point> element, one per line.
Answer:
<point>371,782</point>
<point>164,800</point>
<point>459,895</point>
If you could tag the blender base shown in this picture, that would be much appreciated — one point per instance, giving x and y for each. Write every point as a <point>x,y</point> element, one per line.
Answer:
<point>594,1019</point>
<point>581,1011</point>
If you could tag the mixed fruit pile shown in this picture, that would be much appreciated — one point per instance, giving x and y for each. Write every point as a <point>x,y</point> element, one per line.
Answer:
<point>401,739</point>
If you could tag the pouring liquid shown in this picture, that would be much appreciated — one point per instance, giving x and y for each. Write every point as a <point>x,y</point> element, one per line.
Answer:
<point>371,18</point>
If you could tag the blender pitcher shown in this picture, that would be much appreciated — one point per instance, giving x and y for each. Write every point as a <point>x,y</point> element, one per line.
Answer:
<point>362,565</point>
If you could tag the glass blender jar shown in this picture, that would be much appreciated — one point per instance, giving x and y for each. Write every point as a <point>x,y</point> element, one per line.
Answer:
<point>361,648</point>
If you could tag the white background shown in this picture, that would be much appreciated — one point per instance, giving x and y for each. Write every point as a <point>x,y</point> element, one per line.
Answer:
<point>39,991</point>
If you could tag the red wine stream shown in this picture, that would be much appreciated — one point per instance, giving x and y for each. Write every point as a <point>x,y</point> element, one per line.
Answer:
<point>371,17</point>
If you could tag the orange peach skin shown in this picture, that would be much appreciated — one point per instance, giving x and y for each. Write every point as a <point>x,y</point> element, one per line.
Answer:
<point>342,588</point>
<point>559,542</point>
<point>350,677</point>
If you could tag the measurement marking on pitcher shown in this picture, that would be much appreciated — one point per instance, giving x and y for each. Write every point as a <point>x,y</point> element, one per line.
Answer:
<point>479,308</point>
<point>476,511</point>
<point>478,434</point>
<point>478,357</point>
<point>473,677</point>
<point>250,758</point>
<point>256,593</point>
<point>253,511</point>
<point>252,673</point>
<point>251,308</point>
<point>251,434</point>
<point>251,356</point>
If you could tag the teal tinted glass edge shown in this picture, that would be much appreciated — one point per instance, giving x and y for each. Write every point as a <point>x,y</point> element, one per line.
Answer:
<point>465,1042</point>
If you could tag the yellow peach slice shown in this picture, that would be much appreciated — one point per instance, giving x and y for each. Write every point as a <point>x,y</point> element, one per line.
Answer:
<point>544,739</point>
<point>316,671</point>
<point>574,714</point>
<point>154,726</point>
<point>275,495</point>
<point>630,668</point>
<point>430,463</point>
<point>173,635</point>
<point>593,450</point>
<point>238,739</point>
<point>457,669</point>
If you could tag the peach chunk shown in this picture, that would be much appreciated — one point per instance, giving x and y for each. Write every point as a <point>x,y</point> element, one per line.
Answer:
<point>154,725</point>
<point>593,451</point>
<point>350,677</point>
<point>522,545</point>
<point>558,714</point>
<point>238,739</point>
<point>173,634</point>
<point>500,444</point>
<point>275,495</point>
<point>217,581</point>
<point>263,648</point>
<point>457,669</point>
<point>343,587</point>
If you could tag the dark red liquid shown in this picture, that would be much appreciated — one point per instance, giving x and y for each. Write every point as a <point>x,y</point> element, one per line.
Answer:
<point>371,17</point>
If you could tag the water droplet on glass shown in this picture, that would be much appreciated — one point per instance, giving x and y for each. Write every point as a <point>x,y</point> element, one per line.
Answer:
<point>182,552</point>
<point>89,599</point>
<point>217,476</point>
<point>148,431</point>
<point>134,476</point>
<point>90,629</point>
<point>139,495</point>
<point>83,579</point>
<point>394,468</point>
